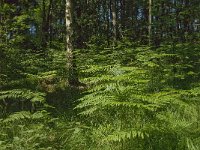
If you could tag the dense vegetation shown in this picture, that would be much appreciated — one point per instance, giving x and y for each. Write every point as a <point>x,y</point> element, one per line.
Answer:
<point>99,75</point>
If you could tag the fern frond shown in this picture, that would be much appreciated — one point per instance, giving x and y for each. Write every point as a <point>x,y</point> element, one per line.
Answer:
<point>23,94</point>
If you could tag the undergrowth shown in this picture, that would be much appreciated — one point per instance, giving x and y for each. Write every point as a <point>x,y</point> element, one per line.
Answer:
<point>136,98</point>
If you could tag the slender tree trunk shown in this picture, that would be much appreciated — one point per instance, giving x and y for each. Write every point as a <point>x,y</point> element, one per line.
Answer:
<point>72,72</point>
<point>114,21</point>
<point>1,23</point>
<point>50,19</point>
<point>122,17</point>
<point>43,30</point>
<point>186,21</point>
<point>107,23</point>
<point>150,22</point>
<point>46,23</point>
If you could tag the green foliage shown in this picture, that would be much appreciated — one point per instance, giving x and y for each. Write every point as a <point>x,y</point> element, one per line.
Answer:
<point>136,97</point>
<point>22,94</point>
<point>137,106</point>
<point>39,130</point>
<point>131,96</point>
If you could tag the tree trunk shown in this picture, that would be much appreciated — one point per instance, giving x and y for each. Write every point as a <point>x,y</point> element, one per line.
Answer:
<point>114,21</point>
<point>1,22</point>
<point>46,24</point>
<point>107,23</point>
<point>122,18</point>
<point>71,67</point>
<point>150,21</point>
<point>44,27</point>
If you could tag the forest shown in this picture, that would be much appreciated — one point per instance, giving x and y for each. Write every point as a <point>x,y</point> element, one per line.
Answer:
<point>99,74</point>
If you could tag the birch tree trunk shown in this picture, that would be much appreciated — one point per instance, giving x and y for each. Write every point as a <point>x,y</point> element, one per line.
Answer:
<point>71,67</point>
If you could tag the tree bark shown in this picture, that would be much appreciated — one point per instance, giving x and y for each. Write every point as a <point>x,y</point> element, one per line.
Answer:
<point>150,21</point>
<point>71,66</point>
<point>114,21</point>
<point>46,23</point>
